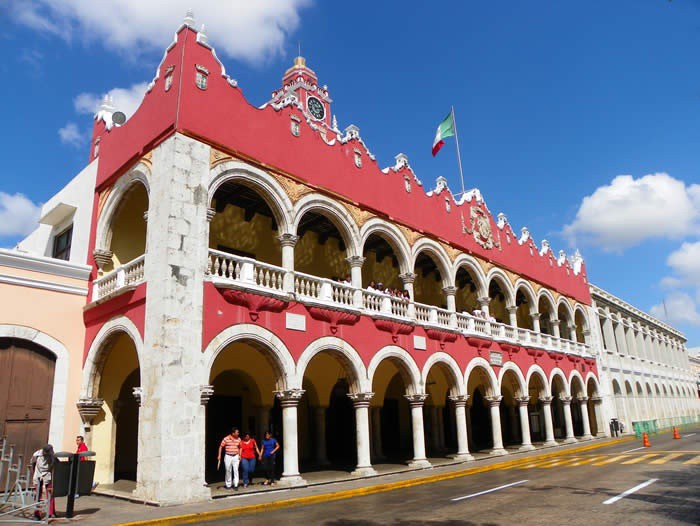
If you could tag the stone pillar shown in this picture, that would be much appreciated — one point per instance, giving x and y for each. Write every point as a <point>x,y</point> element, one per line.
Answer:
<point>484,305</point>
<point>602,429</point>
<point>407,279</point>
<point>524,423</point>
<point>377,433</point>
<point>536,321</point>
<point>494,404</point>
<point>566,407</point>
<point>171,418</point>
<point>548,426</point>
<point>460,404</point>
<point>289,400</point>
<point>419,459</point>
<point>355,263</point>
<point>468,412</point>
<point>572,331</point>
<point>321,455</point>
<point>364,464</point>
<point>288,242</point>
<point>583,404</point>
<point>450,300</point>
<point>554,322</point>
<point>512,315</point>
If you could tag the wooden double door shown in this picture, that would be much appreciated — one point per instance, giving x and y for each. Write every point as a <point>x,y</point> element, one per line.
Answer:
<point>26,387</point>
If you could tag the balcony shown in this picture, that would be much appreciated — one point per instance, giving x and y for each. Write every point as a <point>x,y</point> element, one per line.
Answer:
<point>235,272</point>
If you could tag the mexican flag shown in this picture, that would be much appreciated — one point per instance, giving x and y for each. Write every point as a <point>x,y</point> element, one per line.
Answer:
<point>445,130</point>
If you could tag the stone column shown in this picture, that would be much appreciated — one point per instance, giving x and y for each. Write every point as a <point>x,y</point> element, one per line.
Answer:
<point>602,429</point>
<point>288,242</point>
<point>450,300</point>
<point>548,426</point>
<point>419,459</point>
<point>494,404</point>
<point>377,433</point>
<point>364,464</point>
<point>355,263</point>
<point>289,400</point>
<point>468,412</point>
<point>512,315</point>
<point>524,423</point>
<point>321,455</point>
<point>460,404</point>
<point>407,279</point>
<point>484,305</point>
<point>536,321</point>
<point>554,322</point>
<point>572,331</point>
<point>583,404</point>
<point>566,407</point>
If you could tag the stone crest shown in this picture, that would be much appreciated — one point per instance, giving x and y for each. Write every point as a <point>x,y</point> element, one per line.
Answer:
<point>480,227</point>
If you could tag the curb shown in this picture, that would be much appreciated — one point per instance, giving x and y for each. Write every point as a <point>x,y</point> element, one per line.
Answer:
<point>204,516</point>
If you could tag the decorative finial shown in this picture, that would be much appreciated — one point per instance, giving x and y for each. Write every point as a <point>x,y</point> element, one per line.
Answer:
<point>107,104</point>
<point>202,36</point>
<point>189,19</point>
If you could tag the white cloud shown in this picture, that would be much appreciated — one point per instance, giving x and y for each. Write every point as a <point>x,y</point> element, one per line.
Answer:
<point>18,215</point>
<point>126,100</point>
<point>629,211</point>
<point>71,135</point>
<point>678,307</point>
<point>686,263</point>
<point>240,28</point>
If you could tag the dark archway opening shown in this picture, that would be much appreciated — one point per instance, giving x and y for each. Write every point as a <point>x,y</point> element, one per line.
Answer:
<point>340,428</point>
<point>127,433</point>
<point>480,417</point>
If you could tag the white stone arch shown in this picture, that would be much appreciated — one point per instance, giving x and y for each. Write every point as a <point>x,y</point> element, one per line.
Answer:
<point>439,256</point>
<point>408,368</point>
<point>544,293</point>
<point>481,363</point>
<point>275,351</point>
<point>522,389</point>
<point>267,186</point>
<point>457,387</point>
<point>103,229</point>
<point>591,377</point>
<point>558,373</point>
<point>99,350</point>
<point>350,358</point>
<point>567,307</point>
<point>61,369</point>
<point>578,308</point>
<point>576,375</point>
<point>529,292</point>
<point>474,269</point>
<point>336,213</point>
<point>502,279</point>
<point>536,370</point>
<point>392,235</point>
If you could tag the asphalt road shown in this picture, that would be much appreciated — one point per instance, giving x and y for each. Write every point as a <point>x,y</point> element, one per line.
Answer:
<point>663,485</point>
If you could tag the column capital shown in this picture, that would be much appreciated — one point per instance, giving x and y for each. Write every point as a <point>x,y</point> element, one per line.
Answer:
<point>288,240</point>
<point>546,400</point>
<point>582,399</point>
<point>523,400</point>
<point>493,401</point>
<point>566,400</point>
<point>102,257</point>
<point>408,277</point>
<point>597,399</point>
<point>416,400</point>
<point>459,400</point>
<point>290,397</point>
<point>355,261</point>
<point>449,291</point>
<point>484,301</point>
<point>360,399</point>
<point>553,319</point>
<point>205,393</point>
<point>535,315</point>
<point>89,408</point>
<point>211,212</point>
<point>512,309</point>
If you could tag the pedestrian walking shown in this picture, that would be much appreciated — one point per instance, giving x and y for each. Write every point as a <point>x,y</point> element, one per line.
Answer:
<point>43,461</point>
<point>267,456</point>
<point>232,458</point>
<point>249,451</point>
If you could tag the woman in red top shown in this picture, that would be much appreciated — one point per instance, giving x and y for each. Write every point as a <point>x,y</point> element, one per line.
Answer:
<point>249,449</point>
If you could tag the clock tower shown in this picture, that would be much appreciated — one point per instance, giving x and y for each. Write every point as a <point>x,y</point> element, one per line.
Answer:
<point>301,81</point>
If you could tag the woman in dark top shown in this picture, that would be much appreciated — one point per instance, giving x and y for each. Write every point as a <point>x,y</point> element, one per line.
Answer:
<point>267,456</point>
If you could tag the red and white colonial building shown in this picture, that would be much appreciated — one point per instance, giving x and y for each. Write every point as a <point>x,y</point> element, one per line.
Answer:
<point>236,256</point>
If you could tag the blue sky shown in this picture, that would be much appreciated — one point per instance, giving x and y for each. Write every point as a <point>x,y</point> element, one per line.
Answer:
<point>555,101</point>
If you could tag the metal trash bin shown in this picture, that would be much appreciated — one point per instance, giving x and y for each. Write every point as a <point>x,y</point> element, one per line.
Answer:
<point>73,476</point>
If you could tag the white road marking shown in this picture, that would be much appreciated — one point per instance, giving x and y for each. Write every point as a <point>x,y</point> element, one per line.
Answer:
<point>688,435</point>
<point>635,449</point>
<point>630,491</point>
<point>489,491</point>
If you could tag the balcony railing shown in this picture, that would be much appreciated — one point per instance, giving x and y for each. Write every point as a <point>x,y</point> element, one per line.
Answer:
<point>233,271</point>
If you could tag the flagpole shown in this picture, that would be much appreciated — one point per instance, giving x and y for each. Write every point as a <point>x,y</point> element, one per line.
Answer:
<point>459,156</point>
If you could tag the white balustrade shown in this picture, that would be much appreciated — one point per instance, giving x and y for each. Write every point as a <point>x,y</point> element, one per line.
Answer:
<point>128,275</point>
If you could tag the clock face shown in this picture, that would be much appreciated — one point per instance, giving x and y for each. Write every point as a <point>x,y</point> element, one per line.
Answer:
<point>316,108</point>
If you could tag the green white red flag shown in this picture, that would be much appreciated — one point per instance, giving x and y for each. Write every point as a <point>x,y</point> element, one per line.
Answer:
<point>445,130</point>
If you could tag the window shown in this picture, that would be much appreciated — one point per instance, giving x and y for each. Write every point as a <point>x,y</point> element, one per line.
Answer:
<point>201,80</point>
<point>61,244</point>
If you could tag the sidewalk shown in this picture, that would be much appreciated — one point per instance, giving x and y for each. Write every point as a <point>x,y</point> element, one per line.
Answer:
<point>102,510</point>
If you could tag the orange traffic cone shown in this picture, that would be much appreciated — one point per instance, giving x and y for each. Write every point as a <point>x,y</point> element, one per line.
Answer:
<point>645,439</point>
<point>676,435</point>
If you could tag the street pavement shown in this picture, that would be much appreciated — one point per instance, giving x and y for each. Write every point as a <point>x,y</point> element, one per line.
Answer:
<point>579,484</point>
